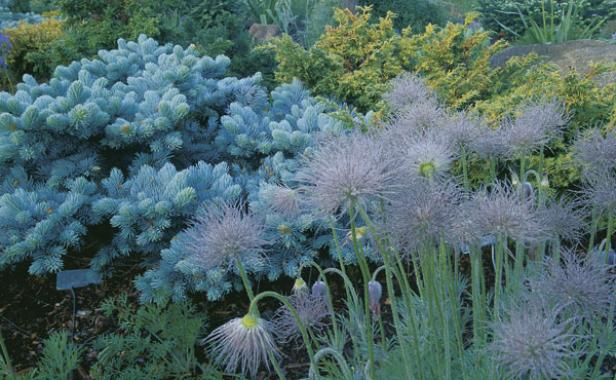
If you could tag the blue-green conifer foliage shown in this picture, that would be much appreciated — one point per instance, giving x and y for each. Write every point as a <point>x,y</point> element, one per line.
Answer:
<point>135,142</point>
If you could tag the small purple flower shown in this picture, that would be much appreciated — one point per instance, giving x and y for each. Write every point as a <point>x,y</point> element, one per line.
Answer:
<point>5,41</point>
<point>5,48</point>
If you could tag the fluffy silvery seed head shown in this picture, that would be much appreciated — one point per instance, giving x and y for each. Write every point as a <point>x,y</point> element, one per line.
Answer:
<point>422,213</point>
<point>426,155</point>
<point>596,152</point>
<point>406,90</point>
<point>461,130</point>
<point>224,233</point>
<point>600,190</point>
<point>345,169</point>
<point>503,211</point>
<point>537,125</point>
<point>282,200</point>
<point>532,342</point>
<point>490,143</point>
<point>312,310</point>
<point>418,118</point>
<point>563,219</point>
<point>242,344</point>
<point>584,286</point>
<point>375,293</point>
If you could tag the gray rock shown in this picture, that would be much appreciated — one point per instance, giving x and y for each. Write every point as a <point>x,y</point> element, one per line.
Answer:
<point>573,54</point>
<point>263,32</point>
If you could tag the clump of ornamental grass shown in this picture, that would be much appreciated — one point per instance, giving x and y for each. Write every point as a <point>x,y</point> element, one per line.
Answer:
<point>532,342</point>
<point>224,234</point>
<point>583,287</point>
<point>354,168</point>
<point>242,344</point>
<point>595,151</point>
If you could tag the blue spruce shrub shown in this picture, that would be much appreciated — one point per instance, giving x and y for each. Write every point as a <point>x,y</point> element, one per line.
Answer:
<point>134,143</point>
<point>150,206</point>
<point>265,145</point>
<point>10,19</point>
<point>42,224</point>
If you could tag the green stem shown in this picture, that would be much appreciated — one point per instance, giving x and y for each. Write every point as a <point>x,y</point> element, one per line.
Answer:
<point>245,281</point>
<point>251,297</point>
<point>464,161</point>
<point>344,367</point>
<point>542,248</point>
<point>610,232</point>
<point>330,303</point>
<point>594,224</point>
<point>440,302</point>
<point>522,169</point>
<point>351,294</point>
<point>498,276</point>
<point>541,160</point>
<point>276,366</point>
<point>519,263</point>
<point>6,359</point>
<point>519,249</point>
<point>477,296</point>
<point>402,281</point>
<point>253,309</point>
<point>556,250</point>
<point>338,248</point>
<point>492,169</point>
<point>365,272</point>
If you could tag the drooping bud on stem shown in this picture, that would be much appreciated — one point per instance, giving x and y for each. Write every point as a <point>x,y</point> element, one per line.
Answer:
<point>375,292</point>
<point>319,289</point>
<point>300,287</point>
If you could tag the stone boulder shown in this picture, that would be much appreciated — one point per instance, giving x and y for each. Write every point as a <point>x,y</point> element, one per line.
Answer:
<point>263,32</point>
<point>573,54</point>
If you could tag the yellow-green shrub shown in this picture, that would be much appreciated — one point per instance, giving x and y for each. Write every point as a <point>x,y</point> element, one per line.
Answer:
<point>352,61</point>
<point>588,101</point>
<point>455,61</point>
<point>30,43</point>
